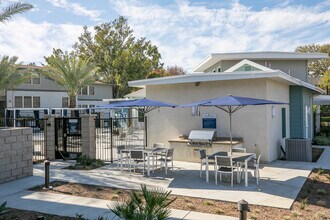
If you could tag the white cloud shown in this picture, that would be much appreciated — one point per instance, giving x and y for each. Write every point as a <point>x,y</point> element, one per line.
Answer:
<point>77,9</point>
<point>186,33</point>
<point>31,42</point>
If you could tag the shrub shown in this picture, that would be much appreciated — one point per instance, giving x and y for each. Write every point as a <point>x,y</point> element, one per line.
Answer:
<point>144,205</point>
<point>3,207</point>
<point>321,192</point>
<point>322,140</point>
<point>303,203</point>
<point>85,162</point>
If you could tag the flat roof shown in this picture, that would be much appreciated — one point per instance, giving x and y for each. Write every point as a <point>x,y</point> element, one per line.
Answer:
<point>213,58</point>
<point>223,76</point>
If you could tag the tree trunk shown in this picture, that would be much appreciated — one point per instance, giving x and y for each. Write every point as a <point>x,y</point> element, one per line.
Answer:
<point>73,104</point>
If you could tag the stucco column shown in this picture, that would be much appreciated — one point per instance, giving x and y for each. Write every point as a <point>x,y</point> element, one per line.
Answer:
<point>50,137</point>
<point>88,133</point>
<point>318,119</point>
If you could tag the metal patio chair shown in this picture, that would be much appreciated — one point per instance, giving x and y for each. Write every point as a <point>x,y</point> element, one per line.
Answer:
<point>224,164</point>
<point>202,157</point>
<point>167,158</point>
<point>254,165</point>
<point>136,157</point>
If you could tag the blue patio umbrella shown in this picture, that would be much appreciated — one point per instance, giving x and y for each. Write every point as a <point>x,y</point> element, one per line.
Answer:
<point>231,104</point>
<point>142,105</point>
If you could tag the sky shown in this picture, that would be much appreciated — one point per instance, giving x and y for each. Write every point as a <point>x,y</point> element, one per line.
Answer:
<point>185,31</point>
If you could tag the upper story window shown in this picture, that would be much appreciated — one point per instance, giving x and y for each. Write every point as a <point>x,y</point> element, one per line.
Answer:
<point>247,66</point>
<point>27,101</point>
<point>34,80</point>
<point>87,90</point>
<point>65,102</point>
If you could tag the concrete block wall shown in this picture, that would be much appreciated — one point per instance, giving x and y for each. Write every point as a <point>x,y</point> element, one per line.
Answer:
<point>88,134</point>
<point>15,153</point>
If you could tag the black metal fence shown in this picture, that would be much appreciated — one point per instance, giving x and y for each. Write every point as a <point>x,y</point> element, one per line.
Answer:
<point>113,132</point>
<point>68,137</point>
<point>39,129</point>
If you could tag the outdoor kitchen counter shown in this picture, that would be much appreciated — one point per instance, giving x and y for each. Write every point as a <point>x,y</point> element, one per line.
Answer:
<point>189,153</point>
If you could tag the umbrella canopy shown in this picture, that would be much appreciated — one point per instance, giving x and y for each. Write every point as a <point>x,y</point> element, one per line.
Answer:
<point>231,104</point>
<point>143,105</point>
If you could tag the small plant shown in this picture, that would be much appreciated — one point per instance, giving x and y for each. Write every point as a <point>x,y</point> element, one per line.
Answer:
<point>3,207</point>
<point>254,216</point>
<point>98,189</point>
<point>80,216</point>
<point>320,171</point>
<point>187,200</point>
<point>296,214</point>
<point>85,162</point>
<point>219,211</point>
<point>303,203</point>
<point>321,203</point>
<point>321,191</point>
<point>191,206</point>
<point>115,197</point>
<point>208,203</point>
<point>146,204</point>
<point>286,218</point>
<point>320,215</point>
<point>256,211</point>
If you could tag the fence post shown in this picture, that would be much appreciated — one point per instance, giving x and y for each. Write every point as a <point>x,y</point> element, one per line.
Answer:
<point>50,136</point>
<point>111,139</point>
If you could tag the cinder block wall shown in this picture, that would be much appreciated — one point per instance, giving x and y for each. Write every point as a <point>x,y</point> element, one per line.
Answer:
<point>15,153</point>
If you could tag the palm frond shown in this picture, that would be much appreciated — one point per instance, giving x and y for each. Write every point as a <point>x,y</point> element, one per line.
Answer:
<point>13,9</point>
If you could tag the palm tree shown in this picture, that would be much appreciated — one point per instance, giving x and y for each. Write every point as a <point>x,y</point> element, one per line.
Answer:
<point>71,72</point>
<point>10,73</point>
<point>144,205</point>
<point>13,9</point>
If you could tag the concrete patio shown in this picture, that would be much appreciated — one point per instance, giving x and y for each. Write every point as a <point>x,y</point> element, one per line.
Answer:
<point>280,182</point>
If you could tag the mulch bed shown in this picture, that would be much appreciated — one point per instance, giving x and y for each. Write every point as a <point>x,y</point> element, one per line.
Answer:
<point>16,214</point>
<point>313,201</point>
<point>316,153</point>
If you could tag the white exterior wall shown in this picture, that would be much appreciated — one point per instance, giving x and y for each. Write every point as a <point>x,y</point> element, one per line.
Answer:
<point>47,99</point>
<point>252,122</point>
<point>277,92</point>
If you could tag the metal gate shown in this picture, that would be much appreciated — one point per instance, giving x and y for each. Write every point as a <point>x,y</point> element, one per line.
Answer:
<point>112,132</point>
<point>67,138</point>
<point>39,131</point>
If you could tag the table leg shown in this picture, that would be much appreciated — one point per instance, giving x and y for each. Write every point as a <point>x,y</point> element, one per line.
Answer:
<point>207,169</point>
<point>246,173</point>
<point>148,164</point>
<point>121,161</point>
<point>238,172</point>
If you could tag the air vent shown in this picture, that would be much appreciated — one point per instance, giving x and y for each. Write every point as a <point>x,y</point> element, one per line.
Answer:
<point>298,149</point>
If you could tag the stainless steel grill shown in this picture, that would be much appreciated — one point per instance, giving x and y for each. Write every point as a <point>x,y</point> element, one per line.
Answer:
<point>202,137</point>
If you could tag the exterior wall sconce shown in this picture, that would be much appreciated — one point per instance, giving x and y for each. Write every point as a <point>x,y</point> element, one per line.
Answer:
<point>197,83</point>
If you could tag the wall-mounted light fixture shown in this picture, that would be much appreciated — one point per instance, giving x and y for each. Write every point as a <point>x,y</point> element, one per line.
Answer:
<point>273,111</point>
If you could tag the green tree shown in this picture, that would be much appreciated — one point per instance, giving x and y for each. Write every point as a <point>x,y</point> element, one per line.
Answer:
<point>10,73</point>
<point>319,67</point>
<point>145,205</point>
<point>13,9</point>
<point>119,56</point>
<point>70,71</point>
<point>169,71</point>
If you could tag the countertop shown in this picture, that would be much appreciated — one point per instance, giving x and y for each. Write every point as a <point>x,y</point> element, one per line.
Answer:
<point>223,141</point>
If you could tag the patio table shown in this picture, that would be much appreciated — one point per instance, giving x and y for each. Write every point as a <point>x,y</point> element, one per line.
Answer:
<point>237,157</point>
<point>147,151</point>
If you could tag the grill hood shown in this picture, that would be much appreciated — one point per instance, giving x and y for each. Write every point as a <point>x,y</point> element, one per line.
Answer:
<point>202,136</point>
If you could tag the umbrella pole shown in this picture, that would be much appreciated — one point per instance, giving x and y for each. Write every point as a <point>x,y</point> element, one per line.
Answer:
<point>145,131</point>
<point>230,134</point>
